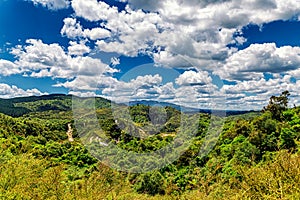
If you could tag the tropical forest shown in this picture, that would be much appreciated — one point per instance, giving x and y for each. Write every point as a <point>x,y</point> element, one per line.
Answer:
<point>44,155</point>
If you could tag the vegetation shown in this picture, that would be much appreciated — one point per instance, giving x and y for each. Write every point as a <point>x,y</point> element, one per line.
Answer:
<point>20,106</point>
<point>256,156</point>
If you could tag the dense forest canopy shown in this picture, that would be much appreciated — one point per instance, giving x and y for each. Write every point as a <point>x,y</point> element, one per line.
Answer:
<point>256,155</point>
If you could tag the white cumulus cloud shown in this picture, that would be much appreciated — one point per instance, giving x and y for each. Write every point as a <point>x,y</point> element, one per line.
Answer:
<point>257,59</point>
<point>50,60</point>
<point>11,91</point>
<point>52,4</point>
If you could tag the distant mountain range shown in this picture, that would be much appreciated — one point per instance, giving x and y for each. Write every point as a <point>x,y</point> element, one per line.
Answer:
<point>189,109</point>
<point>61,102</point>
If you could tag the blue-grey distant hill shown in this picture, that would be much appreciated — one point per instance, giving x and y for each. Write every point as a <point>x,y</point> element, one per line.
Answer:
<point>189,109</point>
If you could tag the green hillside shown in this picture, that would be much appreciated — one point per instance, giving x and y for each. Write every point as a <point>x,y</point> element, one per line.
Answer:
<point>42,156</point>
<point>17,107</point>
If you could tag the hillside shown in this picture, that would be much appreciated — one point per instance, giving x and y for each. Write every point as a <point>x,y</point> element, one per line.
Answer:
<point>256,155</point>
<point>59,102</point>
<point>189,109</point>
<point>17,107</point>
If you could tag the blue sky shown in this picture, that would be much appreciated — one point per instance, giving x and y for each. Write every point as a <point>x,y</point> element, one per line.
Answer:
<point>224,54</point>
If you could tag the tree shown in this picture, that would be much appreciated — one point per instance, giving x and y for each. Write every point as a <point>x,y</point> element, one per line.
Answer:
<point>287,139</point>
<point>151,183</point>
<point>277,105</point>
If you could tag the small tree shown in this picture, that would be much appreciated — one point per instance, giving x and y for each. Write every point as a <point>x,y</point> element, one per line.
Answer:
<point>151,183</point>
<point>277,105</point>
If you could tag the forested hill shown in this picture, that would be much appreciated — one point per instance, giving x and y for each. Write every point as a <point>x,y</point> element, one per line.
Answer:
<point>190,109</point>
<point>256,155</point>
<point>19,106</point>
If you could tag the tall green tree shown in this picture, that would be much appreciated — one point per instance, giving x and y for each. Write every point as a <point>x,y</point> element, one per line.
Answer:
<point>278,104</point>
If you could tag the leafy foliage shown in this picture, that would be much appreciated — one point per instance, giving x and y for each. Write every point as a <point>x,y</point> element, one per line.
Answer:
<point>278,104</point>
<point>256,157</point>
